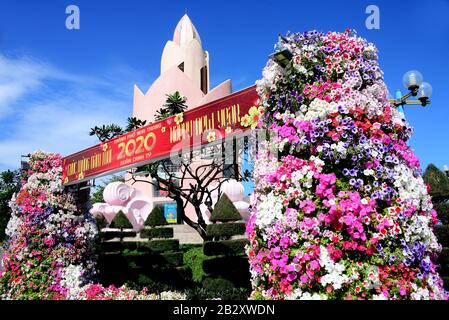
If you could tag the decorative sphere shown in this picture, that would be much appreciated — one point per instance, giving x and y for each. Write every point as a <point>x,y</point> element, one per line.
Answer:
<point>412,78</point>
<point>425,90</point>
<point>233,189</point>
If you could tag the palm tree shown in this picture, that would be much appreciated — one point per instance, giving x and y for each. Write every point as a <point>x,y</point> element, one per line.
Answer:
<point>105,133</point>
<point>175,103</point>
<point>134,123</point>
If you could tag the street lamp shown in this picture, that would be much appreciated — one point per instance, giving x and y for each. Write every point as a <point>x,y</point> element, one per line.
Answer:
<point>413,81</point>
<point>283,56</point>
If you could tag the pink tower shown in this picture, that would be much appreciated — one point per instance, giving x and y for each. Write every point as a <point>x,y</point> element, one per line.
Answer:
<point>184,68</point>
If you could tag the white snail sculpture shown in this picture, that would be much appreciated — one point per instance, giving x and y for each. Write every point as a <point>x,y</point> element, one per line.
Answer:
<point>122,197</point>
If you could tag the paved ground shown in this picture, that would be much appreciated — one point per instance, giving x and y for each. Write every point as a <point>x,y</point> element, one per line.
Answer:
<point>183,232</point>
<point>186,234</point>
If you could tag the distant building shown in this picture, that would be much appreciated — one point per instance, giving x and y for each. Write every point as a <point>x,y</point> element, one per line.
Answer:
<point>184,68</point>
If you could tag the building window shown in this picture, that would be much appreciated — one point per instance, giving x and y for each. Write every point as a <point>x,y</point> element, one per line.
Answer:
<point>204,83</point>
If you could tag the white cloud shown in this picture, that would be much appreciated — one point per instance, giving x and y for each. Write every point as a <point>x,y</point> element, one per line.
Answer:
<point>59,119</point>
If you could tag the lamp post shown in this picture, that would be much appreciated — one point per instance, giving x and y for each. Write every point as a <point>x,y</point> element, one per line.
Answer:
<point>413,81</point>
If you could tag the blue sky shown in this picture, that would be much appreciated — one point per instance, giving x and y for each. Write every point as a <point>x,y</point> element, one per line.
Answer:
<point>56,83</point>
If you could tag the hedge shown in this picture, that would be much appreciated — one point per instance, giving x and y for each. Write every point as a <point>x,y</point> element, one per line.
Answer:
<point>225,247</point>
<point>156,218</point>
<point>140,259</point>
<point>165,245</point>
<point>225,210</point>
<point>108,235</point>
<point>226,265</point>
<point>443,260</point>
<point>442,233</point>
<point>121,222</point>
<point>442,212</point>
<point>446,283</point>
<point>157,233</point>
<point>225,229</point>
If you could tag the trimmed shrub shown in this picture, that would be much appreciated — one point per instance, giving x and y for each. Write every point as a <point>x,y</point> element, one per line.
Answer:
<point>443,212</point>
<point>438,182</point>
<point>156,218</point>
<point>225,229</point>
<point>112,234</point>
<point>442,233</point>
<point>121,222</point>
<point>443,259</point>
<point>446,282</point>
<point>159,245</point>
<point>193,258</point>
<point>101,222</point>
<point>217,285</point>
<point>157,233</point>
<point>225,265</point>
<point>225,211</point>
<point>148,260</point>
<point>225,247</point>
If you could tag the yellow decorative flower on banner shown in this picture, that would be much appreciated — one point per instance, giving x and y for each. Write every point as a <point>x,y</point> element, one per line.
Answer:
<point>66,179</point>
<point>252,118</point>
<point>179,118</point>
<point>211,136</point>
<point>228,130</point>
<point>245,121</point>
<point>163,129</point>
<point>81,175</point>
<point>105,147</point>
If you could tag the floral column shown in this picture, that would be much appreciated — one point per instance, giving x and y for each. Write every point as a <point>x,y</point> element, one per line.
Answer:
<point>341,210</point>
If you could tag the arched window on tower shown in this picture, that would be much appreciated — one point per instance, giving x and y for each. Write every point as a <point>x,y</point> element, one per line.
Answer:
<point>181,66</point>
<point>204,83</point>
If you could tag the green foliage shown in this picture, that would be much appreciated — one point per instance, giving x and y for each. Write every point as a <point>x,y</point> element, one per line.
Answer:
<point>443,260</point>
<point>225,229</point>
<point>9,184</point>
<point>226,266</point>
<point>156,218</point>
<point>97,195</point>
<point>443,212</point>
<point>106,132</point>
<point>438,182</point>
<point>110,131</point>
<point>157,233</point>
<point>193,258</point>
<point>137,258</point>
<point>159,245</point>
<point>442,233</point>
<point>101,222</point>
<point>174,104</point>
<point>134,124</point>
<point>121,221</point>
<point>225,247</point>
<point>225,211</point>
<point>217,285</point>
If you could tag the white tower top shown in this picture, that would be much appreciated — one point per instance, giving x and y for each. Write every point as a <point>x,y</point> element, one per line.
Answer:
<point>185,32</point>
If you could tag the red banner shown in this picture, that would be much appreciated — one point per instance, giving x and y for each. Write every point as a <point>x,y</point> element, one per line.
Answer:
<point>209,123</point>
